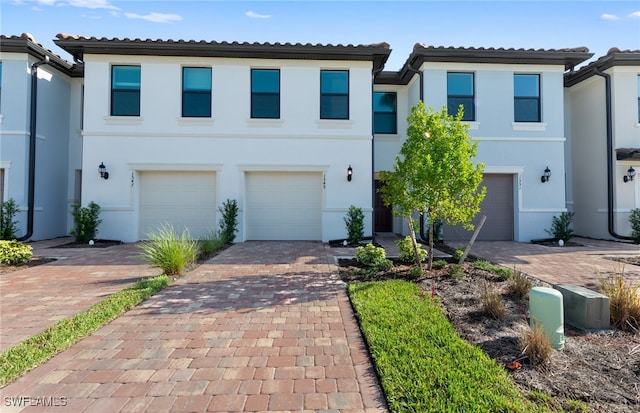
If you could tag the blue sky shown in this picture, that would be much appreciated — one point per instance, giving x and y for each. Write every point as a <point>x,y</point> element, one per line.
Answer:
<point>598,25</point>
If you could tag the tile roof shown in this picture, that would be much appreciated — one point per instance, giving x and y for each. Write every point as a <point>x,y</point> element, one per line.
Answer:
<point>25,43</point>
<point>614,57</point>
<point>78,46</point>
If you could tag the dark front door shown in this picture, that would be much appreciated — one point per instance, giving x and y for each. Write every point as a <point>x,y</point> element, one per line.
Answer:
<point>383,215</point>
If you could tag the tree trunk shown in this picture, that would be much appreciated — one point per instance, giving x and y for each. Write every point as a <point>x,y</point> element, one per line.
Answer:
<point>412,234</point>
<point>430,258</point>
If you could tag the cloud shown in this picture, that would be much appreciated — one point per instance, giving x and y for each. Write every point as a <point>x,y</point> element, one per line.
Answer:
<point>91,4</point>
<point>254,15</point>
<point>155,17</point>
<point>609,17</point>
<point>635,15</point>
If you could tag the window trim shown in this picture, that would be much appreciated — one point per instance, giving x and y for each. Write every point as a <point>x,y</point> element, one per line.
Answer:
<point>395,113</point>
<point>538,98</point>
<point>209,92</point>
<point>347,94</point>
<point>278,94</point>
<point>473,117</point>
<point>113,90</point>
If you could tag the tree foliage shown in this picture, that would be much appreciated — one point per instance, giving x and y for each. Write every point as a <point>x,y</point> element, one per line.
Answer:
<point>434,173</point>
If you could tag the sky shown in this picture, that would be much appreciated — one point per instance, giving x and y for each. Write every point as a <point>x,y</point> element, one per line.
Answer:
<point>539,24</point>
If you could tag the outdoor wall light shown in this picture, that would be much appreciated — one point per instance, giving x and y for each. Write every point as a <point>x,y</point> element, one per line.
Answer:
<point>546,175</point>
<point>630,174</point>
<point>103,171</point>
<point>349,173</point>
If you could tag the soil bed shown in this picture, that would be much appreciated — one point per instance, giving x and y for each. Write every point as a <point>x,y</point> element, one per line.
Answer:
<point>99,243</point>
<point>32,263</point>
<point>600,369</point>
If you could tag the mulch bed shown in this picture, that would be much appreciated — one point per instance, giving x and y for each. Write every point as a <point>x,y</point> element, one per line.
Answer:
<point>34,261</point>
<point>601,369</point>
<point>98,243</point>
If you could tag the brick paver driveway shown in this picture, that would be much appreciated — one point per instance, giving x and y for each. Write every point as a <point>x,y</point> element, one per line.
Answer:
<point>264,326</point>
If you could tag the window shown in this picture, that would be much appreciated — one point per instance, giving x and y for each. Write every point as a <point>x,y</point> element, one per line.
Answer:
<point>265,93</point>
<point>639,99</point>
<point>0,82</point>
<point>526,98</point>
<point>384,112</point>
<point>196,92</point>
<point>125,91</point>
<point>460,91</point>
<point>334,94</point>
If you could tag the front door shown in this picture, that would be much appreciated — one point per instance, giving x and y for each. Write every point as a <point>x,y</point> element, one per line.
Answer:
<point>383,214</point>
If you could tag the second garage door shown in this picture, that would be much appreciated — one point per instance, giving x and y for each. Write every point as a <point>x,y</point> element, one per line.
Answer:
<point>497,206</point>
<point>181,199</point>
<point>284,206</point>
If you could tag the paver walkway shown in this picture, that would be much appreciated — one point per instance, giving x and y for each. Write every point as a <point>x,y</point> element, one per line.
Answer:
<point>560,265</point>
<point>264,326</point>
<point>36,298</point>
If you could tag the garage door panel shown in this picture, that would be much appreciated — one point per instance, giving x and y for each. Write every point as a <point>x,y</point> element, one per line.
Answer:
<point>284,205</point>
<point>181,199</point>
<point>497,206</point>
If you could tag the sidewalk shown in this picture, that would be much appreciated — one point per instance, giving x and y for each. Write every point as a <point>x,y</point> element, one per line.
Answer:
<point>264,326</point>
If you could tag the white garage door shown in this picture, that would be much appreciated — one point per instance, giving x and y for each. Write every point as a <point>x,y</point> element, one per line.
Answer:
<point>284,206</point>
<point>182,199</point>
<point>497,206</point>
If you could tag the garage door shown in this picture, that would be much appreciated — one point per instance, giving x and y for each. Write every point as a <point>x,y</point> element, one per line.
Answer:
<point>497,206</point>
<point>284,206</point>
<point>182,199</point>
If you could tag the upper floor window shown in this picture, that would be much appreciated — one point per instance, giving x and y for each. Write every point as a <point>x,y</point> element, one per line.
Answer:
<point>334,94</point>
<point>526,98</point>
<point>265,93</point>
<point>196,92</point>
<point>461,91</point>
<point>385,112</point>
<point>125,90</point>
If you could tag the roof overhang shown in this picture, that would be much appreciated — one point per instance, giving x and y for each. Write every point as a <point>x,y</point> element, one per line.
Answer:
<point>614,57</point>
<point>26,44</point>
<point>627,154</point>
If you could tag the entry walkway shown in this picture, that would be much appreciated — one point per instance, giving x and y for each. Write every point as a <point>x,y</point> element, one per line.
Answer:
<point>264,326</point>
<point>578,265</point>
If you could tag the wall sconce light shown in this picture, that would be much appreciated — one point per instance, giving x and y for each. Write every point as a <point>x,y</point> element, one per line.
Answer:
<point>546,175</point>
<point>103,171</point>
<point>630,174</point>
<point>349,173</point>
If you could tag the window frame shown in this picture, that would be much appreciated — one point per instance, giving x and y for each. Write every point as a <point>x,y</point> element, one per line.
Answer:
<point>208,92</point>
<point>346,94</point>
<point>467,117</point>
<point>518,98</point>
<point>112,111</point>
<point>255,94</point>
<point>394,112</point>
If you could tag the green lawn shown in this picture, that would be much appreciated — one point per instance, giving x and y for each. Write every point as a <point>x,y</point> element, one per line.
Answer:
<point>423,364</point>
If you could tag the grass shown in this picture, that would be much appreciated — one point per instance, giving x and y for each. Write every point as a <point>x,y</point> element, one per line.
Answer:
<point>492,303</point>
<point>35,350</point>
<point>519,284</point>
<point>424,365</point>
<point>169,251</point>
<point>535,344</point>
<point>504,272</point>
<point>624,299</point>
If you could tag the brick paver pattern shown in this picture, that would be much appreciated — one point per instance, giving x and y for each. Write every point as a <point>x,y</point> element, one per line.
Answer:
<point>263,326</point>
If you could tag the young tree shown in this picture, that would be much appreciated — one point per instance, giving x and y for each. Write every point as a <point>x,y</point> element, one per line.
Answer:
<point>434,173</point>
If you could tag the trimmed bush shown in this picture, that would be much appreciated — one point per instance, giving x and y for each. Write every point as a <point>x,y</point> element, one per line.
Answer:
<point>8,226</point>
<point>14,252</point>
<point>170,252</point>
<point>407,253</point>
<point>355,225</point>
<point>86,221</point>
<point>228,225</point>
<point>373,257</point>
<point>634,220</point>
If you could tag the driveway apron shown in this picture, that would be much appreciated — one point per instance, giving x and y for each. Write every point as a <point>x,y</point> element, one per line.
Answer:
<point>263,326</point>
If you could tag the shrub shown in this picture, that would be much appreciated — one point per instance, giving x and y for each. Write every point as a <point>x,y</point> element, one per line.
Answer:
<point>407,253</point>
<point>229,223</point>
<point>492,302</point>
<point>355,225</point>
<point>439,264</point>
<point>634,220</point>
<point>14,252</point>
<point>624,300</point>
<point>8,211</point>
<point>210,243</point>
<point>535,344</point>
<point>519,284</point>
<point>86,221</point>
<point>415,273</point>
<point>455,271</point>
<point>372,256</point>
<point>561,227</point>
<point>167,250</point>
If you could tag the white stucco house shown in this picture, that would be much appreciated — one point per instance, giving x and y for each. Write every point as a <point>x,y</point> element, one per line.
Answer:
<point>514,106</point>
<point>163,131</point>
<point>604,131</point>
<point>53,133</point>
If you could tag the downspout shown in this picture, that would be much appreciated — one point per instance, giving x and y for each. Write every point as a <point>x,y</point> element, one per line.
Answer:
<point>610,196</point>
<point>423,236</point>
<point>373,149</point>
<point>32,147</point>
